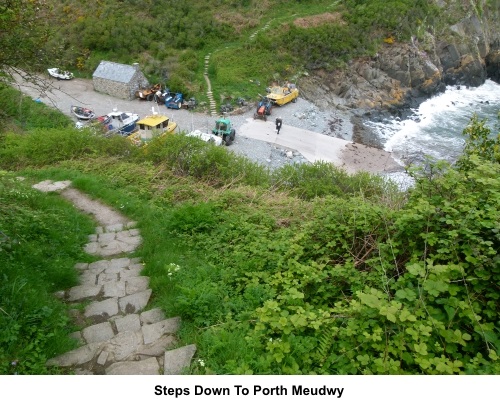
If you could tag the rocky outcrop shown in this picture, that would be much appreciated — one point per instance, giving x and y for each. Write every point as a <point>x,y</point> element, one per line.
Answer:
<point>401,75</point>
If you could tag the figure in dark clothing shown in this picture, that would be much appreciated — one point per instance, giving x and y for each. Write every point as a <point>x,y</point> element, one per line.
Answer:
<point>279,122</point>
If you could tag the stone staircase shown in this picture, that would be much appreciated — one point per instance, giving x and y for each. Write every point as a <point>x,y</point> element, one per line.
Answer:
<point>211,100</point>
<point>117,336</point>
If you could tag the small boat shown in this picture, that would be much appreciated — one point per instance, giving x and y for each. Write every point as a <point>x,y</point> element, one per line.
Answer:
<point>60,74</point>
<point>151,126</point>
<point>283,95</point>
<point>82,113</point>
<point>118,122</point>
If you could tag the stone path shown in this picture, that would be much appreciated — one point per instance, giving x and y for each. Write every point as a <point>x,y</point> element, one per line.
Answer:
<point>117,336</point>
<point>211,100</point>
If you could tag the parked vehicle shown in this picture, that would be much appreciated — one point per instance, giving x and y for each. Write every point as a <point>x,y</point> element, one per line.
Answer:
<point>224,130</point>
<point>283,95</point>
<point>148,93</point>
<point>173,100</point>
<point>264,108</point>
<point>82,113</point>
<point>60,74</point>
<point>122,123</point>
<point>151,126</point>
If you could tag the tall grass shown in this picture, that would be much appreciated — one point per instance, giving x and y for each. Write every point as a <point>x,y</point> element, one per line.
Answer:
<point>41,239</point>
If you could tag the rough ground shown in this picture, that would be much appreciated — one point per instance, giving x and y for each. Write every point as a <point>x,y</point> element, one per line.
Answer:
<point>302,115</point>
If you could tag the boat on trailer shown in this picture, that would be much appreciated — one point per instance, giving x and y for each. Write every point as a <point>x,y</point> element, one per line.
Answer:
<point>82,113</point>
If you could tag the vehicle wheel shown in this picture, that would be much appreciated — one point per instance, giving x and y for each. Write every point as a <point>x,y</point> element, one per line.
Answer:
<point>232,135</point>
<point>265,117</point>
<point>227,140</point>
<point>150,97</point>
<point>255,116</point>
<point>294,100</point>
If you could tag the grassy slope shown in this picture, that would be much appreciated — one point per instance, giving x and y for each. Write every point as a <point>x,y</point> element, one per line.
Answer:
<point>263,41</point>
<point>360,279</point>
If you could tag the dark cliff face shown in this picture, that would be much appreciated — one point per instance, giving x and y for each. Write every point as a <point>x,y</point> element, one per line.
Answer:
<point>402,75</point>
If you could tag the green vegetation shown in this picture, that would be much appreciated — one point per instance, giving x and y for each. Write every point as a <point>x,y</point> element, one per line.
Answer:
<point>41,239</point>
<point>302,271</point>
<point>247,40</point>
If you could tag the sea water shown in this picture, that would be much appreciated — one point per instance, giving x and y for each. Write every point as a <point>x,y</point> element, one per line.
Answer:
<point>435,128</point>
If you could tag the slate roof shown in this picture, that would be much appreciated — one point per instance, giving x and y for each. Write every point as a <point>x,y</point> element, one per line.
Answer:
<point>117,72</point>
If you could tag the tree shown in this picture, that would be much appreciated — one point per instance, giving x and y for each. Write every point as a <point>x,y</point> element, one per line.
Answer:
<point>25,26</point>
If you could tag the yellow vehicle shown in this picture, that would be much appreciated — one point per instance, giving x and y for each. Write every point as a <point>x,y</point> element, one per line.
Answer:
<point>150,127</point>
<point>283,95</point>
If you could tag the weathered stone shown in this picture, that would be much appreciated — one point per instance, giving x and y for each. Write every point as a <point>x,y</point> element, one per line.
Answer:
<point>92,238</point>
<point>134,303</point>
<point>114,289</point>
<point>178,360</point>
<point>119,263</point>
<point>104,308</point>
<point>131,224</point>
<point>81,292</point>
<point>130,323</point>
<point>123,344</point>
<point>106,278</point>
<point>99,230</point>
<point>156,330</point>
<point>158,347</point>
<point>136,284</point>
<point>114,228</point>
<point>75,357</point>
<point>134,232</point>
<point>88,278</point>
<point>152,316</point>
<point>98,333</point>
<point>103,357</point>
<point>132,271</point>
<point>106,238</point>
<point>144,367</point>
<point>99,266</point>
<point>91,248</point>
<point>81,266</point>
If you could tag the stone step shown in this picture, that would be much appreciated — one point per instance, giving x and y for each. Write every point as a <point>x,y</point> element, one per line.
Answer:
<point>177,361</point>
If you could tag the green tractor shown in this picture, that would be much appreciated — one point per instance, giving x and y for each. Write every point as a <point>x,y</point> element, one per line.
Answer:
<point>224,130</point>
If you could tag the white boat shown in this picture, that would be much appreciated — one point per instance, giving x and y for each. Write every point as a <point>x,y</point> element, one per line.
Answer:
<point>82,113</point>
<point>60,74</point>
<point>122,123</point>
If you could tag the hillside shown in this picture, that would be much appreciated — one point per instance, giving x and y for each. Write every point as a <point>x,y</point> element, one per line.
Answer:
<point>381,53</point>
<point>303,270</point>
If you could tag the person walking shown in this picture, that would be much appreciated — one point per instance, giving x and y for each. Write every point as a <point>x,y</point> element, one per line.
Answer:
<point>279,122</point>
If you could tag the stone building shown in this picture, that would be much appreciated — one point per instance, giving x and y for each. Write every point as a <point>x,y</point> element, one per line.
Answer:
<point>119,80</point>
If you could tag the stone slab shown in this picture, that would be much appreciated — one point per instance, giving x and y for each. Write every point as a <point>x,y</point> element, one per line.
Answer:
<point>158,347</point>
<point>114,289</point>
<point>98,333</point>
<point>152,316</point>
<point>104,308</point>
<point>156,330</point>
<point>75,357</point>
<point>136,284</point>
<point>134,303</point>
<point>130,322</point>
<point>123,345</point>
<point>178,360</point>
<point>144,367</point>
<point>81,292</point>
<point>100,265</point>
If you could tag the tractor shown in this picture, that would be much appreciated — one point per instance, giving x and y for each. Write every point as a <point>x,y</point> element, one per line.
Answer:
<point>264,108</point>
<point>223,129</point>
